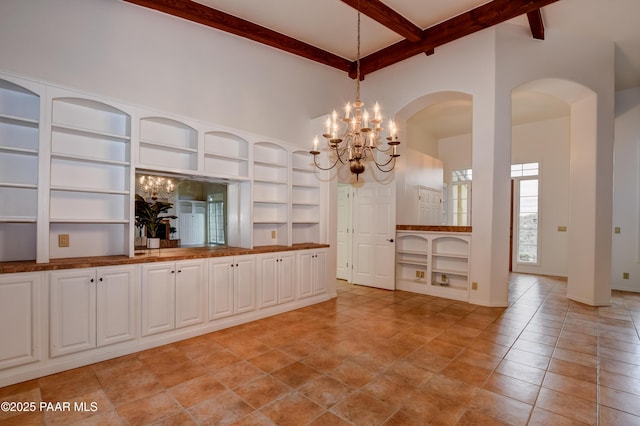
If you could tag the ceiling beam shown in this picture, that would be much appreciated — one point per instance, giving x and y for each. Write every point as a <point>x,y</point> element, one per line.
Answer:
<point>536,24</point>
<point>223,21</point>
<point>485,16</point>
<point>388,17</point>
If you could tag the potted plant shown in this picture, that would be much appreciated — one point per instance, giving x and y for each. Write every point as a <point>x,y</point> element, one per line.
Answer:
<point>150,215</point>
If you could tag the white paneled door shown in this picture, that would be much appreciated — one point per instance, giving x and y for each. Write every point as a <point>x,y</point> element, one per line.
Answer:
<point>374,225</point>
<point>345,226</point>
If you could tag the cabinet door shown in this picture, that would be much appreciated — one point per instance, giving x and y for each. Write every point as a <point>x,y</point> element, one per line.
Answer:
<point>267,279</point>
<point>220,287</point>
<point>189,293</point>
<point>19,319</point>
<point>305,274</point>
<point>287,291</point>
<point>116,305</point>
<point>245,284</point>
<point>320,272</point>
<point>72,311</point>
<point>158,298</point>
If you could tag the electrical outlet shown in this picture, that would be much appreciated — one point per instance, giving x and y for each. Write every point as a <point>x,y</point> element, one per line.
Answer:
<point>417,274</point>
<point>562,229</point>
<point>63,240</point>
<point>474,285</point>
<point>625,275</point>
<point>273,234</point>
<point>421,274</point>
<point>616,230</point>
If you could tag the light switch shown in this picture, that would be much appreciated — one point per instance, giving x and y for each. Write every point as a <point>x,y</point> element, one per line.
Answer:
<point>616,230</point>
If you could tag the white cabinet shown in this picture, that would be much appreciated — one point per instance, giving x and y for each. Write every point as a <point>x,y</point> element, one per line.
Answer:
<point>312,275</point>
<point>232,288</point>
<point>20,319</point>
<point>91,308</point>
<point>305,199</point>
<point>275,278</point>
<point>172,295</point>
<point>270,194</point>
<point>20,132</point>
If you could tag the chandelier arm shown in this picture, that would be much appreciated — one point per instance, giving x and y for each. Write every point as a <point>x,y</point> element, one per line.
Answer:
<point>315,161</point>
<point>391,158</point>
<point>380,166</point>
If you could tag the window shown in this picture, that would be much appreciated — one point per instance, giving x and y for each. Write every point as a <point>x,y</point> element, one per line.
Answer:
<point>216,216</point>
<point>527,211</point>
<point>461,197</point>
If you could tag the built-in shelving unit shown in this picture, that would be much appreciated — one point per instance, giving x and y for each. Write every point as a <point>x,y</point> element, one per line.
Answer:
<point>305,199</point>
<point>19,154</point>
<point>226,155</point>
<point>168,144</point>
<point>270,194</point>
<point>89,177</point>
<point>434,263</point>
<point>68,161</point>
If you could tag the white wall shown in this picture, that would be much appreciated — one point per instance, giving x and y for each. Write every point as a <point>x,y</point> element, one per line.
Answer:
<point>142,57</point>
<point>415,169</point>
<point>626,194</point>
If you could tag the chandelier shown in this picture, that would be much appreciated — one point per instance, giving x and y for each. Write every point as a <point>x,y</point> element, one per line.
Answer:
<point>154,185</point>
<point>355,137</point>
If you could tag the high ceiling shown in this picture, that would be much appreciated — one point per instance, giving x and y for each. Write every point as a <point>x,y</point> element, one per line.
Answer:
<point>325,30</point>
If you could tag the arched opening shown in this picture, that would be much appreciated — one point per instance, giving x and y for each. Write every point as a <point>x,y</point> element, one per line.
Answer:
<point>439,135</point>
<point>569,238</point>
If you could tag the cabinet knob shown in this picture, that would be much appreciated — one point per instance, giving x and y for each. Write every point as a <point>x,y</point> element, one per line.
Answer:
<point>390,240</point>
<point>92,279</point>
<point>100,279</point>
<point>236,264</point>
<point>173,272</point>
<point>179,270</point>
<point>232,265</point>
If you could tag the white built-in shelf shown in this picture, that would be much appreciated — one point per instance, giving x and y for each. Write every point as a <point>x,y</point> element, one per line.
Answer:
<point>21,151</point>
<point>168,147</point>
<point>270,194</point>
<point>90,132</point>
<point>18,185</point>
<point>89,185</point>
<point>20,110</point>
<point>19,121</point>
<point>89,190</point>
<point>168,144</point>
<point>17,219</point>
<point>226,154</point>
<point>433,263</point>
<point>91,160</point>
<point>305,198</point>
<point>88,221</point>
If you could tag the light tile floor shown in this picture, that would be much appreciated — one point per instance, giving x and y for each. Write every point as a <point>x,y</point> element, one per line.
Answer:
<point>373,357</point>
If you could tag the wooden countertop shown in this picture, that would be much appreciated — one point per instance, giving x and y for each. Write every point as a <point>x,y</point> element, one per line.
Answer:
<point>433,228</point>
<point>149,255</point>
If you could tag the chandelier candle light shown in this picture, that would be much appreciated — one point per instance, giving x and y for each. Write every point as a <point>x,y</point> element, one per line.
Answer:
<point>154,185</point>
<point>360,134</point>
